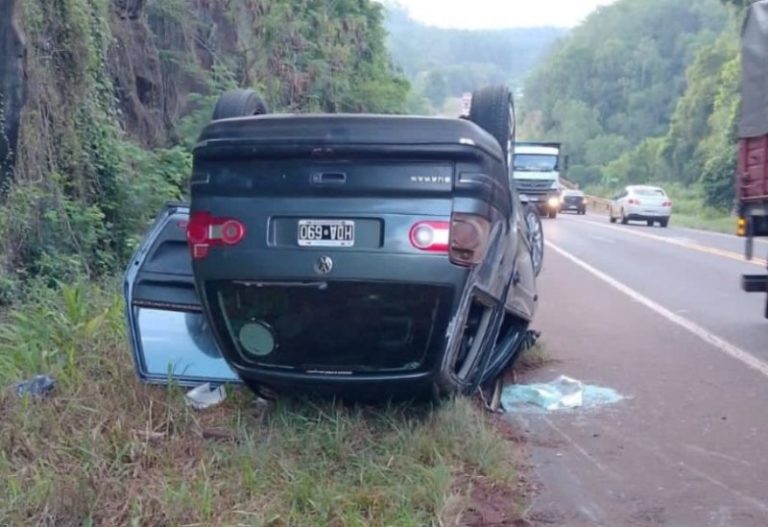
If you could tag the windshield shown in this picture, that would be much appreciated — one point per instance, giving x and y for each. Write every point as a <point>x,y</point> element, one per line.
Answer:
<point>535,163</point>
<point>649,192</point>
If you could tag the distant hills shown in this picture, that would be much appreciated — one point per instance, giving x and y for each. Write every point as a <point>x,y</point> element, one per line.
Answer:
<point>444,63</point>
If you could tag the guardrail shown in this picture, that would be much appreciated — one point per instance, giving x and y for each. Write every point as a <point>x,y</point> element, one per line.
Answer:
<point>599,205</point>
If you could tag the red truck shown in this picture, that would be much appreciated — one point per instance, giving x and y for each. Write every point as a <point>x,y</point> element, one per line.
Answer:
<point>752,175</point>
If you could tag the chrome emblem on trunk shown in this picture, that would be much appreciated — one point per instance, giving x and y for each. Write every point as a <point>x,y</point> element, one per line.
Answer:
<point>324,265</point>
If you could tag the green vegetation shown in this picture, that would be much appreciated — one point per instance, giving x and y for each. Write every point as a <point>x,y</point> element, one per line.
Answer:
<point>113,109</point>
<point>533,359</point>
<point>105,450</point>
<point>442,64</point>
<point>84,187</point>
<point>646,91</point>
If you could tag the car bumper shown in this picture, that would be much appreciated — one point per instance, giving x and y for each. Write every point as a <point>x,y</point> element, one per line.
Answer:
<point>360,267</point>
<point>580,207</point>
<point>543,201</point>
<point>646,213</point>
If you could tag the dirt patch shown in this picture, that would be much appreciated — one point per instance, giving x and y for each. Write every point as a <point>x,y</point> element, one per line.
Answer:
<point>492,504</point>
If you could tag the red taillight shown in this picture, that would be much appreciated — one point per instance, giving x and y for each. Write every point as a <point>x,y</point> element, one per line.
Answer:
<point>667,204</point>
<point>205,231</point>
<point>432,236</point>
<point>464,238</point>
<point>469,239</point>
<point>633,201</point>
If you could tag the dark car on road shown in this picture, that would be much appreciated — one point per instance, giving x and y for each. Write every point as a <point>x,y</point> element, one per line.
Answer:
<point>573,201</point>
<point>375,256</point>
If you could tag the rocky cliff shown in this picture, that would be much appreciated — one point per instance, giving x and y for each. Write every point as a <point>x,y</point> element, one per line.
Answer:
<point>100,100</point>
<point>12,48</point>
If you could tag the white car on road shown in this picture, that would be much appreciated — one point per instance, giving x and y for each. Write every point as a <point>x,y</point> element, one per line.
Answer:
<point>641,203</point>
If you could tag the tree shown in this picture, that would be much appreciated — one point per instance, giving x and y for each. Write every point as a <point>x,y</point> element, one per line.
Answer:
<point>627,62</point>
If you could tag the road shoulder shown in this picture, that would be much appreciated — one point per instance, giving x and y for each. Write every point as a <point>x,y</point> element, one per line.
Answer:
<point>687,445</point>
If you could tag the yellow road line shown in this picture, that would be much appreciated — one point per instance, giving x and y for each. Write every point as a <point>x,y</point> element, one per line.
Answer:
<point>686,245</point>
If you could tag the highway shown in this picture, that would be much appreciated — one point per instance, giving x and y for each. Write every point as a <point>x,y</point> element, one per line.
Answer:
<point>659,315</point>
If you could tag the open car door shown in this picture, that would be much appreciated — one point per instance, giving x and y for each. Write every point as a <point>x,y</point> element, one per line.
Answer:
<point>169,334</point>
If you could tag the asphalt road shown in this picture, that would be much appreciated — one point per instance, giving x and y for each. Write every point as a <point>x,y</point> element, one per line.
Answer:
<point>657,314</point>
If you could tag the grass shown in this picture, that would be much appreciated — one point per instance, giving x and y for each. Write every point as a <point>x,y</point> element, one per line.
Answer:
<point>104,449</point>
<point>723,224</point>
<point>533,358</point>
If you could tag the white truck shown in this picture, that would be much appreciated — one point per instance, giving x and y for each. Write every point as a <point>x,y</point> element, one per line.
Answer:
<point>536,174</point>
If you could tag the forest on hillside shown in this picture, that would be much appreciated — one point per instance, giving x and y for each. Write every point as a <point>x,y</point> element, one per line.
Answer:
<point>442,64</point>
<point>101,101</point>
<point>645,90</point>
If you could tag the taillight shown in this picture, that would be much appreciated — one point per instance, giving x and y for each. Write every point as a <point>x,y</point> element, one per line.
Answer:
<point>667,204</point>
<point>205,231</point>
<point>464,238</point>
<point>469,239</point>
<point>431,236</point>
<point>741,226</point>
<point>632,201</point>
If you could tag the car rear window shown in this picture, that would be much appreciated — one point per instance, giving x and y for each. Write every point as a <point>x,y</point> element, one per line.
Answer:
<point>346,326</point>
<point>649,192</point>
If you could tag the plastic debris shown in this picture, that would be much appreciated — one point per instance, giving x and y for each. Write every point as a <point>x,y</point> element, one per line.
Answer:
<point>37,386</point>
<point>205,396</point>
<point>561,394</point>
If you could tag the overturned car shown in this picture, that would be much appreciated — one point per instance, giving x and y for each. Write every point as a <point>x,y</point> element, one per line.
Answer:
<point>355,255</point>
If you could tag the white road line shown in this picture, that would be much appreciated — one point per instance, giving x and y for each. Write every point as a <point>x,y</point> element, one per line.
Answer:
<point>729,349</point>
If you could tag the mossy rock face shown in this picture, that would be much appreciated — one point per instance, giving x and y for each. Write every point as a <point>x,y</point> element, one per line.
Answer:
<point>105,98</point>
<point>11,85</point>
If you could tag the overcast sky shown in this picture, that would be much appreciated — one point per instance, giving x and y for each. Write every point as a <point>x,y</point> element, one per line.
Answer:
<point>485,14</point>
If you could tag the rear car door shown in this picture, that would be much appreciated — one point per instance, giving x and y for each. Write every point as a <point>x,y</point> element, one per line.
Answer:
<point>170,338</point>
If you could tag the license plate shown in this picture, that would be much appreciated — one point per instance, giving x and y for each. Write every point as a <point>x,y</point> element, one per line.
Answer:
<point>326,233</point>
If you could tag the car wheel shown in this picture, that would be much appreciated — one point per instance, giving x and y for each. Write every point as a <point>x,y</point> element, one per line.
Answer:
<point>650,223</point>
<point>492,110</point>
<point>664,222</point>
<point>610,215</point>
<point>535,238</point>
<point>624,219</point>
<point>239,103</point>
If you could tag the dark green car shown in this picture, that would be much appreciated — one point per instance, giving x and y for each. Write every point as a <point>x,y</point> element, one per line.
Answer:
<point>356,255</point>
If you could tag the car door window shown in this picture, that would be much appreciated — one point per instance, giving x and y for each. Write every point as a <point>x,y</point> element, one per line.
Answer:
<point>170,337</point>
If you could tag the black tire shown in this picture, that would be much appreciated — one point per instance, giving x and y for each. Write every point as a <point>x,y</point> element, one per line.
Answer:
<point>664,223</point>
<point>650,223</point>
<point>624,219</point>
<point>610,216</point>
<point>239,103</point>
<point>492,109</point>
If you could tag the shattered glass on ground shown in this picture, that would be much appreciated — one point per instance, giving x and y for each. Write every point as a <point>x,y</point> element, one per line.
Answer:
<point>564,393</point>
